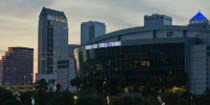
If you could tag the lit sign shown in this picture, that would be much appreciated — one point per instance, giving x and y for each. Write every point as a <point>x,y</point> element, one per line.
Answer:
<point>103,45</point>
<point>59,19</point>
<point>95,46</point>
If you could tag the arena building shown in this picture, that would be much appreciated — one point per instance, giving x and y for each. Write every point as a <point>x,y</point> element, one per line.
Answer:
<point>158,56</point>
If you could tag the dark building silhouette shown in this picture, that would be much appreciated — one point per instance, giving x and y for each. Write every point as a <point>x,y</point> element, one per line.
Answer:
<point>16,66</point>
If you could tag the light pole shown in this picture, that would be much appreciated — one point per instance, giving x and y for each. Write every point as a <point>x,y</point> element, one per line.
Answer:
<point>107,100</point>
<point>104,82</point>
<point>104,85</point>
<point>75,99</point>
<point>160,100</point>
<point>32,101</point>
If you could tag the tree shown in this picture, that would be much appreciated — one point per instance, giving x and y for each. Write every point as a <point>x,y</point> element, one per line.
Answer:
<point>90,100</point>
<point>41,86</point>
<point>127,100</point>
<point>11,102</point>
<point>6,97</point>
<point>58,87</point>
<point>41,97</point>
<point>76,82</point>
<point>25,98</point>
<point>63,98</point>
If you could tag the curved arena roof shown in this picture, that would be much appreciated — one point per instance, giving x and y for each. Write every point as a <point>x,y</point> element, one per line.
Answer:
<point>134,30</point>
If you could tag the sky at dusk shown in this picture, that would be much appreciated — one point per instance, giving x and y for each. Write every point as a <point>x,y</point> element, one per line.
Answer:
<point>19,18</point>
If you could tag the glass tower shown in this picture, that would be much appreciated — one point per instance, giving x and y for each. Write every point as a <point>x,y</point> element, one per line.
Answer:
<point>52,45</point>
<point>53,39</point>
<point>91,29</point>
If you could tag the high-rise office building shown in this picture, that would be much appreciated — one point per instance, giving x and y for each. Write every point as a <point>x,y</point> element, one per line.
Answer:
<point>53,47</point>
<point>91,29</point>
<point>72,66</point>
<point>16,66</point>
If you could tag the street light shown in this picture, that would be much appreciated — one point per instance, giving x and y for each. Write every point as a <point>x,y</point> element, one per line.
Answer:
<point>104,85</point>
<point>107,100</point>
<point>32,101</point>
<point>75,99</point>
<point>160,100</point>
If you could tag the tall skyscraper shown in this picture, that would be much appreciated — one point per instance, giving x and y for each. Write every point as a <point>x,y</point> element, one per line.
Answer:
<point>53,47</point>
<point>91,29</point>
<point>16,66</point>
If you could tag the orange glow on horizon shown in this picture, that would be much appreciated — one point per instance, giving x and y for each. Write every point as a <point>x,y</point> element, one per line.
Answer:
<point>35,70</point>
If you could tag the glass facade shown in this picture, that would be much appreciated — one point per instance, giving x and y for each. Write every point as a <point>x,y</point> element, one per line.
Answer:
<point>91,30</point>
<point>53,40</point>
<point>157,56</point>
<point>135,67</point>
<point>53,55</point>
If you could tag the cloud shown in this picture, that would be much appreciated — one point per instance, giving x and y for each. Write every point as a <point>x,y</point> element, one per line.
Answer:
<point>115,14</point>
<point>21,16</point>
<point>2,51</point>
<point>22,8</point>
<point>124,13</point>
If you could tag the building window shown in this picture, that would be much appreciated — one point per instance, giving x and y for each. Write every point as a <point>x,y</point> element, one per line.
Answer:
<point>170,33</point>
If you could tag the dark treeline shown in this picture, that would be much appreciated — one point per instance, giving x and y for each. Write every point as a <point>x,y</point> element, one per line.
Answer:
<point>89,96</point>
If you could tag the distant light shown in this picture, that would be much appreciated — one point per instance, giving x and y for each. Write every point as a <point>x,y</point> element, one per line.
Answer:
<point>75,97</point>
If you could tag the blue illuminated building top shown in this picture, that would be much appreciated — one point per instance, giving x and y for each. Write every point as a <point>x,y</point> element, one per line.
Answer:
<point>199,18</point>
<point>99,23</point>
